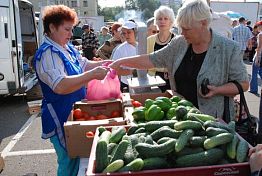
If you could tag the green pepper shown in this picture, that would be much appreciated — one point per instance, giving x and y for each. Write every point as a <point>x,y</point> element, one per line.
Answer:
<point>139,114</point>
<point>174,105</point>
<point>154,113</point>
<point>163,105</point>
<point>175,99</point>
<point>166,100</point>
<point>148,103</point>
<point>185,103</point>
<point>171,113</point>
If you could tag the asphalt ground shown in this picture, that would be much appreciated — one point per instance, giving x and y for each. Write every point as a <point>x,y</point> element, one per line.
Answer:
<point>20,137</point>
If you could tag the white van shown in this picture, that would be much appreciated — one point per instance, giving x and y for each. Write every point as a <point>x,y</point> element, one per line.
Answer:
<point>18,43</point>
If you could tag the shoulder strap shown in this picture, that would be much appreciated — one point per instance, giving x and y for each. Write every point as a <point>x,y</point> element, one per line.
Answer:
<point>242,102</point>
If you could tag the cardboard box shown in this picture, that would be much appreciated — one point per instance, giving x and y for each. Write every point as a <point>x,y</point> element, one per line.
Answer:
<point>75,131</point>
<point>34,107</point>
<point>143,96</point>
<point>235,169</point>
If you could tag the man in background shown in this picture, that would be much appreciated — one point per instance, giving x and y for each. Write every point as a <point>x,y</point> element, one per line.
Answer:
<point>242,35</point>
<point>89,42</point>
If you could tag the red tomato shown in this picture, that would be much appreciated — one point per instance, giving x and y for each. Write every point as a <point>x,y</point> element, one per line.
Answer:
<point>77,113</point>
<point>101,117</point>
<point>85,115</point>
<point>136,104</point>
<point>90,134</point>
<point>115,114</point>
<point>91,118</point>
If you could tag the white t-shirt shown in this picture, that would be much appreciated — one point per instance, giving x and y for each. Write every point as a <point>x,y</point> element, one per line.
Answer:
<point>124,50</point>
<point>51,68</point>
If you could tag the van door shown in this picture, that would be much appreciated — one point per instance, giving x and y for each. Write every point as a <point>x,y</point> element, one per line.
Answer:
<point>7,67</point>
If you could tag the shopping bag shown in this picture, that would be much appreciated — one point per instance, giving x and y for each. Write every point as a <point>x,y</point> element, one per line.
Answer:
<point>108,88</point>
<point>246,124</point>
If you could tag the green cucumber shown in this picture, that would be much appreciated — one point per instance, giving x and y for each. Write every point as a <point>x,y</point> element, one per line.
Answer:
<point>149,150</point>
<point>189,124</point>
<point>117,134</point>
<point>101,155</point>
<point>163,140</point>
<point>183,139</point>
<point>105,136</point>
<point>232,147</point>
<point>154,125</point>
<point>114,166</point>
<point>189,151</point>
<point>209,157</point>
<point>202,117</point>
<point>132,129</point>
<point>217,125</point>
<point>155,163</point>
<point>120,151</point>
<point>165,131</point>
<point>135,165</point>
<point>242,151</point>
<point>212,131</point>
<point>217,140</point>
<point>197,141</point>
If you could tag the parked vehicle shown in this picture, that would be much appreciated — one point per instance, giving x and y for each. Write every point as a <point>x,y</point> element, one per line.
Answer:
<point>18,43</point>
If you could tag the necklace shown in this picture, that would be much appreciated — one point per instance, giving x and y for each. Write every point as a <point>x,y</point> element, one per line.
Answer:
<point>167,40</point>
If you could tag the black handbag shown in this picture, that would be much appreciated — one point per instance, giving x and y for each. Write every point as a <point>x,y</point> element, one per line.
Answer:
<point>245,126</point>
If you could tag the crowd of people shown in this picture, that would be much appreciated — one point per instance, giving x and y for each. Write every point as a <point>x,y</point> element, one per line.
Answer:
<point>183,60</point>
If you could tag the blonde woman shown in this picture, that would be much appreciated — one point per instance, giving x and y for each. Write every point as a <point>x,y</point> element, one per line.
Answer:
<point>196,54</point>
<point>164,19</point>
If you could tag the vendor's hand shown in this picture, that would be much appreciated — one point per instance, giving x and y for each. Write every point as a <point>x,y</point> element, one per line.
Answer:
<point>255,160</point>
<point>211,93</point>
<point>99,72</point>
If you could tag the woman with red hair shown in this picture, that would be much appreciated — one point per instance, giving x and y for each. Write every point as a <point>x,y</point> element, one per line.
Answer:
<point>62,74</point>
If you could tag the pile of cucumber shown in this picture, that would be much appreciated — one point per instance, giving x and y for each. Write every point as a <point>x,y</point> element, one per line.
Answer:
<point>197,140</point>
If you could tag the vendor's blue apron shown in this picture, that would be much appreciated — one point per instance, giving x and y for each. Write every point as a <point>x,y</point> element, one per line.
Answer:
<point>57,107</point>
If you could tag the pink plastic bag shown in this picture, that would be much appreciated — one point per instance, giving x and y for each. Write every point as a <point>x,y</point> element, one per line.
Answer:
<point>108,88</point>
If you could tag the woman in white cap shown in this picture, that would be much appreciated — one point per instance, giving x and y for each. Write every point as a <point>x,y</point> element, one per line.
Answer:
<point>197,54</point>
<point>126,49</point>
<point>164,19</point>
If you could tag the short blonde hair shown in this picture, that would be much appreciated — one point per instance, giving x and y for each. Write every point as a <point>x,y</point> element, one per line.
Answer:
<point>165,11</point>
<point>193,11</point>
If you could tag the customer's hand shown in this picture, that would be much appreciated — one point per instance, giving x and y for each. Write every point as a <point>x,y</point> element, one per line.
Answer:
<point>211,93</point>
<point>99,72</point>
<point>119,69</point>
<point>255,160</point>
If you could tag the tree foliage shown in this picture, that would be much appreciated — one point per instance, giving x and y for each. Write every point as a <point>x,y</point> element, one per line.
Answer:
<point>148,7</point>
<point>109,13</point>
<point>131,5</point>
